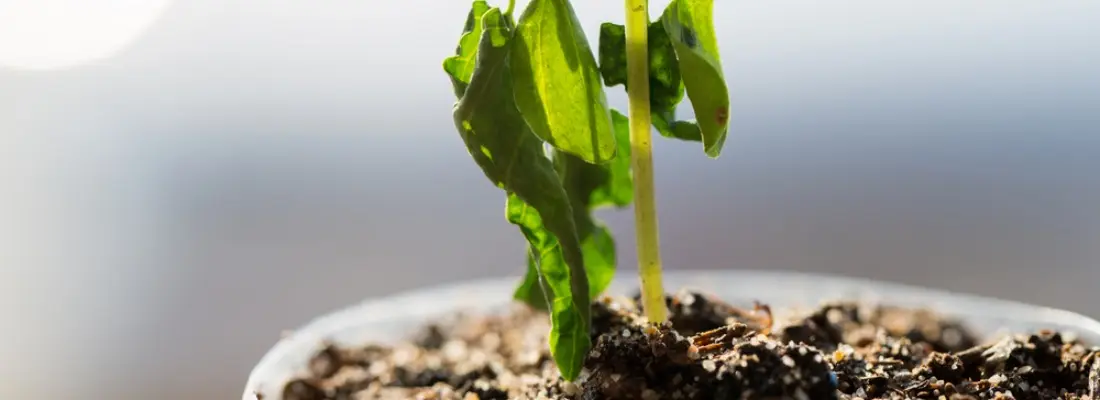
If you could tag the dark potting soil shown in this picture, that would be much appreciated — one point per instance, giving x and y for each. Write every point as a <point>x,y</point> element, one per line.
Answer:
<point>712,350</point>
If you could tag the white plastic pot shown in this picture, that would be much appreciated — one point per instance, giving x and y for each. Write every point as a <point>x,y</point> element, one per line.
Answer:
<point>394,318</point>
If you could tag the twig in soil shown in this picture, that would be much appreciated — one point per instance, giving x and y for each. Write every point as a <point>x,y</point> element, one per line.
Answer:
<point>767,319</point>
<point>720,339</point>
<point>760,317</point>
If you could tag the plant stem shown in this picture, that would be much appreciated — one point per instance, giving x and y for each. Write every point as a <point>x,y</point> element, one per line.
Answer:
<point>641,158</point>
<point>511,7</point>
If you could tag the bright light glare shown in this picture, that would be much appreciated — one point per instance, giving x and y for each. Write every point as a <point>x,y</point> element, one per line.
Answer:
<point>55,34</point>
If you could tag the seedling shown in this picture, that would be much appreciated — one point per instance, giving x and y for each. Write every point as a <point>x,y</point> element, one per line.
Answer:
<point>534,116</point>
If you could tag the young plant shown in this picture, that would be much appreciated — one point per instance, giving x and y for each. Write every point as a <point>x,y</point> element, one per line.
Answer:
<point>533,114</point>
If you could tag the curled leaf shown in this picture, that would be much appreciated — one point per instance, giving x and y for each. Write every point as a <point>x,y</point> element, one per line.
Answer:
<point>690,26</point>
<point>569,340</point>
<point>512,157</point>
<point>460,67</point>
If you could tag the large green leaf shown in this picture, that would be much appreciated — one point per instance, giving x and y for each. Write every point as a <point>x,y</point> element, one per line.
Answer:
<point>512,157</point>
<point>557,83</point>
<point>690,26</point>
<point>460,67</point>
<point>590,187</point>
<point>666,89</point>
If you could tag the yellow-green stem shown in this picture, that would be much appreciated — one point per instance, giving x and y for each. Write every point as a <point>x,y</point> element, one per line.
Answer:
<point>641,158</point>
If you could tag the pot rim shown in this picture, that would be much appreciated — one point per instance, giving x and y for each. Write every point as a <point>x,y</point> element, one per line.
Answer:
<point>317,332</point>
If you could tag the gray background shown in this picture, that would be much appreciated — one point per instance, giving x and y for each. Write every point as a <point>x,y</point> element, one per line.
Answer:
<point>246,165</point>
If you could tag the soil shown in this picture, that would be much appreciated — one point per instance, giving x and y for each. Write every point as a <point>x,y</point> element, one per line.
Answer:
<point>712,350</point>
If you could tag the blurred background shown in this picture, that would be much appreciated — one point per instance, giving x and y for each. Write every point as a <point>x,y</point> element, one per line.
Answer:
<point>180,181</point>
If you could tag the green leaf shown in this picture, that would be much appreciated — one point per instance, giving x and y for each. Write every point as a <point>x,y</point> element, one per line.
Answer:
<point>460,67</point>
<point>512,157</point>
<point>599,261</point>
<point>611,183</point>
<point>530,289</point>
<point>557,83</point>
<point>666,89</point>
<point>590,187</point>
<point>690,26</point>
<point>665,86</point>
<point>613,55</point>
<point>569,341</point>
<point>668,126</point>
<point>593,186</point>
